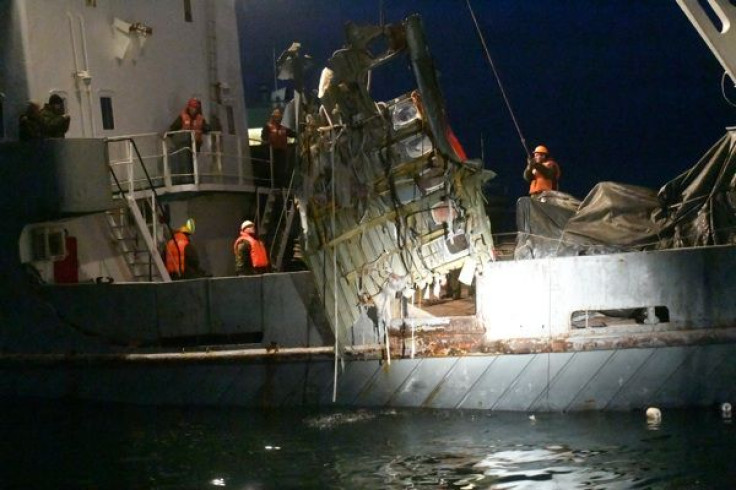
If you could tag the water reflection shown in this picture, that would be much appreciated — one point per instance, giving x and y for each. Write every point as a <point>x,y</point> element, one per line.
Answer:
<point>124,447</point>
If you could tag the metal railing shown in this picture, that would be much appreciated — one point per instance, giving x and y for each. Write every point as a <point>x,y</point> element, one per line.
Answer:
<point>174,159</point>
<point>148,235</point>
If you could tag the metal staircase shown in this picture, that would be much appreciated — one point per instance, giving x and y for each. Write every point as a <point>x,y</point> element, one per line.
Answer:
<point>137,236</point>
<point>134,224</point>
<point>266,211</point>
<point>278,213</point>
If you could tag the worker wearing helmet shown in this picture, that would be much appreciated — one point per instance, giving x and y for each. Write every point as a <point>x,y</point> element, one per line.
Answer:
<point>250,253</point>
<point>191,119</point>
<point>181,151</point>
<point>542,173</point>
<point>182,260</point>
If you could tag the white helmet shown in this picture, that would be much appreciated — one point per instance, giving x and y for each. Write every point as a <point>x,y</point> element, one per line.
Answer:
<point>247,224</point>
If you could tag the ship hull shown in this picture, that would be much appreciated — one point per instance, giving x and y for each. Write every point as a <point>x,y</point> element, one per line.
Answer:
<point>609,379</point>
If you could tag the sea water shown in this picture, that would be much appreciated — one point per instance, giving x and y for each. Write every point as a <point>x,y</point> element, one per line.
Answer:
<point>103,446</point>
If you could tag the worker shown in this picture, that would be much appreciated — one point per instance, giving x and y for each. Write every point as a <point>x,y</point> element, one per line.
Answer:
<point>250,252</point>
<point>181,160</point>
<point>191,119</point>
<point>182,260</point>
<point>30,123</point>
<point>542,173</point>
<point>276,136</point>
<point>55,122</point>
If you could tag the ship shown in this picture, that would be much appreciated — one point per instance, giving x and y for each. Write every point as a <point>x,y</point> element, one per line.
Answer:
<point>631,305</point>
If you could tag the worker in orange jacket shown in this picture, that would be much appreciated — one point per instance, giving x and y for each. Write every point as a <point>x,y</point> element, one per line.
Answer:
<point>182,260</point>
<point>251,256</point>
<point>542,172</point>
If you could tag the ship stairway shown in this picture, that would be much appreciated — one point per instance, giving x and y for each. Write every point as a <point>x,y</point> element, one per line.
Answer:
<point>135,227</point>
<point>276,225</point>
<point>135,238</point>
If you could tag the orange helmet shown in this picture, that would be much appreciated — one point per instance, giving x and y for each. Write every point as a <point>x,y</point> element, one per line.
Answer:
<point>541,149</point>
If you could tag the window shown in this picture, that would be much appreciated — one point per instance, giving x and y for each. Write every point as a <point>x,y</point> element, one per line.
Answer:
<point>108,121</point>
<point>230,119</point>
<point>47,243</point>
<point>188,10</point>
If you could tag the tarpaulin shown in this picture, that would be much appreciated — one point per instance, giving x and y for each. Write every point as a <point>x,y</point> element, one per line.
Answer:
<point>696,208</point>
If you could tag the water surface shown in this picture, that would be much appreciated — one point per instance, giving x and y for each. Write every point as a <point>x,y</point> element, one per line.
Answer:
<point>104,446</point>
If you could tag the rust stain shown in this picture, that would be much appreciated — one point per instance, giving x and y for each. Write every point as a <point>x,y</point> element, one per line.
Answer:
<point>465,336</point>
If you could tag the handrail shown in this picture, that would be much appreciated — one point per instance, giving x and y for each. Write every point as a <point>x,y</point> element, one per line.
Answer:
<point>287,196</point>
<point>221,159</point>
<point>156,201</point>
<point>153,190</point>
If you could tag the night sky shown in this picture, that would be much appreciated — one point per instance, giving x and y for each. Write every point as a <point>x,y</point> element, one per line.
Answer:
<point>618,90</point>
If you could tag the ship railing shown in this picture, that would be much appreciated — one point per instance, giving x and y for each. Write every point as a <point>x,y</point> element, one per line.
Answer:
<point>174,159</point>
<point>149,233</point>
<point>265,171</point>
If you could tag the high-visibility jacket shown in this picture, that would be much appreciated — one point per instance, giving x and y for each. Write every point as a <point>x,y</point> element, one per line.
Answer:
<point>175,253</point>
<point>275,135</point>
<point>541,183</point>
<point>258,254</point>
<point>195,124</point>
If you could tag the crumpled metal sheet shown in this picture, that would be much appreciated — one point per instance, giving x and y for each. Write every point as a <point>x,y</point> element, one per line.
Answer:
<point>387,199</point>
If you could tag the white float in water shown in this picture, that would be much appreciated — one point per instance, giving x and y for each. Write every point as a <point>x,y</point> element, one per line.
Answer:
<point>726,410</point>
<point>654,415</point>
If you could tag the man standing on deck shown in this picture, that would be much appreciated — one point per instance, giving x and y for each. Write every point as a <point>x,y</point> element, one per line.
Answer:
<point>275,136</point>
<point>54,122</point>
<point>542,173</point>
<point>250,253</point>
<point>182,162</point>
<point>30,124</point>
<point>182,260</point>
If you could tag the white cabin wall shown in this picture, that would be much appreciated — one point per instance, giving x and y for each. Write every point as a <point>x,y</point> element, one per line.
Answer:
<point>228,64</point>
<point>152,83</point>
<point>13,53</point>
<point>95,250</point>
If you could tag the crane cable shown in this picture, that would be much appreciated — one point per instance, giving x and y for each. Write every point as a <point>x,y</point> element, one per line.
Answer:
<point>498,79</point>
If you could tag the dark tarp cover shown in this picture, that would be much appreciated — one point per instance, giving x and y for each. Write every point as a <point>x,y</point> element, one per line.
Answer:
<point>696,208</point>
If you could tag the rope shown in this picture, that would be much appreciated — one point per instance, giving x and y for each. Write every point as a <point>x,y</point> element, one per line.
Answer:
<point>334,263</point>
<point>498,79</point>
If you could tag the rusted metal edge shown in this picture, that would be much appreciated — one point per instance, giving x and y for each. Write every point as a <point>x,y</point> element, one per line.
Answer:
<point>466,338</point>
<point>467,343</point>
<point>255,355</point>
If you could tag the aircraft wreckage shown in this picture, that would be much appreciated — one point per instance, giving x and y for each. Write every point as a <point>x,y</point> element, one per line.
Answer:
<point>388,199</point>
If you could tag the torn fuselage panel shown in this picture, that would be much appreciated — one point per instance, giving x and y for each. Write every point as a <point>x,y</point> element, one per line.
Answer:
<point>390,201</point>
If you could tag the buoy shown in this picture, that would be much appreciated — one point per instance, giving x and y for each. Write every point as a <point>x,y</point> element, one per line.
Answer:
<point>654,415</point>
<point>726,410</point>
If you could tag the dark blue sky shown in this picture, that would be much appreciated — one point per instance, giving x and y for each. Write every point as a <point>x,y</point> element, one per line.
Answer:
<point>618,90</point>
